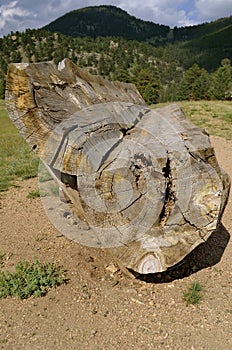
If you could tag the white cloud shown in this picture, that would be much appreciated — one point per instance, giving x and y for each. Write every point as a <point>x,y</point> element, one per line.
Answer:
<point>208,10</point>
<point>21,14</point>
<point>11,15</point>
<point>167,12</point>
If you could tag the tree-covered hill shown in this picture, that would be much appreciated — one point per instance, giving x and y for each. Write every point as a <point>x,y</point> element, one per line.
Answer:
<point>104,21</point>
<point>191,63</point>
<point>206,44</point>
<point>113,58</point>
<point>198,32</point>
<point>209,42</point>
<point>94,21</point>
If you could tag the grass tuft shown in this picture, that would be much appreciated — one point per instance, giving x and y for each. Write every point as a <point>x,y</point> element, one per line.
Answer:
<point>36,194</point>
<point>193,295</point>
<point>30,279</point>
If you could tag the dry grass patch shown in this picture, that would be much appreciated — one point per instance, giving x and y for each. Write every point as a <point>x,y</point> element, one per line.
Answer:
<point>213,116</point>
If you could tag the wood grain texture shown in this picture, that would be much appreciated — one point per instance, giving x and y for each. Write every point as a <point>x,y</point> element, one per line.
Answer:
<point>143,183</point>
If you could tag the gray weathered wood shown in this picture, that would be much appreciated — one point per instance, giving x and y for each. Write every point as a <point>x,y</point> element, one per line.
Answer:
<point>143,183</point>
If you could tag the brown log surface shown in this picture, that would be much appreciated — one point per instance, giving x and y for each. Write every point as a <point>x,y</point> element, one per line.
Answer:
<point>143,183</point>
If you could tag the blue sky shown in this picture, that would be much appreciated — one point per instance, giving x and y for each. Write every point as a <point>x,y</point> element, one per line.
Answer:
<point>22,14</point>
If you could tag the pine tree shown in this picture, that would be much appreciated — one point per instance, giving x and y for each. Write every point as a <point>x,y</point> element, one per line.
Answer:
<point>121,74</point>
<point>201,86</point>
<point>222,81</point>
<point>16,57</point>
<point>148,84</point>
<point>150,94</point>
<point>194,84</point>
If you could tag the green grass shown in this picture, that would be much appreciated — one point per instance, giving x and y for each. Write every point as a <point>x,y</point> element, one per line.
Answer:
<point>30,279</point>
<point>214,116</point>
<point>193,295</point>
<point>17,161</point>
<point>36,194</point>
<point>3,341</point>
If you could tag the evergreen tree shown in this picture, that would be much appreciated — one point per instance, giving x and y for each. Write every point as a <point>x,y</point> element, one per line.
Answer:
<point>121,74</point>
<point>60,53</point>
<point>183,91</point>
<point>102,66</point>
<point>150,94</point>
<point>201,86</point>
<point>222,81</point>
<point>16,56</point>
<point>194,85</point>
<point>148,84</point>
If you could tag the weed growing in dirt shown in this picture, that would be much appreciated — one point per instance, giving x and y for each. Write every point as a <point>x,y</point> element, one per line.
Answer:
<point>3,341</point>
<point>36,194</point>
<point>40,237</point>
<point>30,279</point>
<point>193,295</point>
<point>85,292</point>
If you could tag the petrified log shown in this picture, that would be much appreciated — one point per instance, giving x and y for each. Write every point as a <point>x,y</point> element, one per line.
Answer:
<point>143,183</point>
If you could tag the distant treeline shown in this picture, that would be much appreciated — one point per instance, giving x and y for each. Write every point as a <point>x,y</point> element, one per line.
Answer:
<point>164,73</point>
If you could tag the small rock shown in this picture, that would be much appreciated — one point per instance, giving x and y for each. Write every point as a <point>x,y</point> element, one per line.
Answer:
<point>59,235</point>
<point>112,268</point>
<point>114,283</point>
<point>93,267</point>
<point>93,333</point>
<point>90,259</point>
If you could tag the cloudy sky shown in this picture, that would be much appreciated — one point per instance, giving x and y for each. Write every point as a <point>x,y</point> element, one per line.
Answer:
<point>21,14</point>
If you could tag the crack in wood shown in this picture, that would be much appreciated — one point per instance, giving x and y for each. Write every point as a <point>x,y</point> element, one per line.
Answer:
<point>132,203</point>
<point>196,156</point>
<point>111,149</point>
<point>178,186</point>
<point>139,165</point>
<point>65,135</point>
<point>170,196</point>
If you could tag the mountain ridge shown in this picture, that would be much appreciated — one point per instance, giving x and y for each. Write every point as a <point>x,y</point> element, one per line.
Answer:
<point>109,20</point>
<point>106,20</point>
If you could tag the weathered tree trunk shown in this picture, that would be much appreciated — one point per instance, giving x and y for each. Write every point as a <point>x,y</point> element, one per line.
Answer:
<point>143,183</point>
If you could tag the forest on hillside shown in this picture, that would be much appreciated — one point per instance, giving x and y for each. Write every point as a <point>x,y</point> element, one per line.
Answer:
<point>106,21</point>
<point>164,73</point>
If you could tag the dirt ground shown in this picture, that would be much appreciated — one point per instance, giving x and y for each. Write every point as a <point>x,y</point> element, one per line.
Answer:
<point>100,307</point>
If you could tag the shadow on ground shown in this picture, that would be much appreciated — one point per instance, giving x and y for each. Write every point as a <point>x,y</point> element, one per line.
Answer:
<point>205,255</point>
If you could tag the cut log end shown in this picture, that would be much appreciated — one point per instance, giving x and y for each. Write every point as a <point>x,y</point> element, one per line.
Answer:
<point>143,183</point>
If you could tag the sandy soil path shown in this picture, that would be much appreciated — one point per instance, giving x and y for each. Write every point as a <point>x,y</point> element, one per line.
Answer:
<point>102,309</point>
